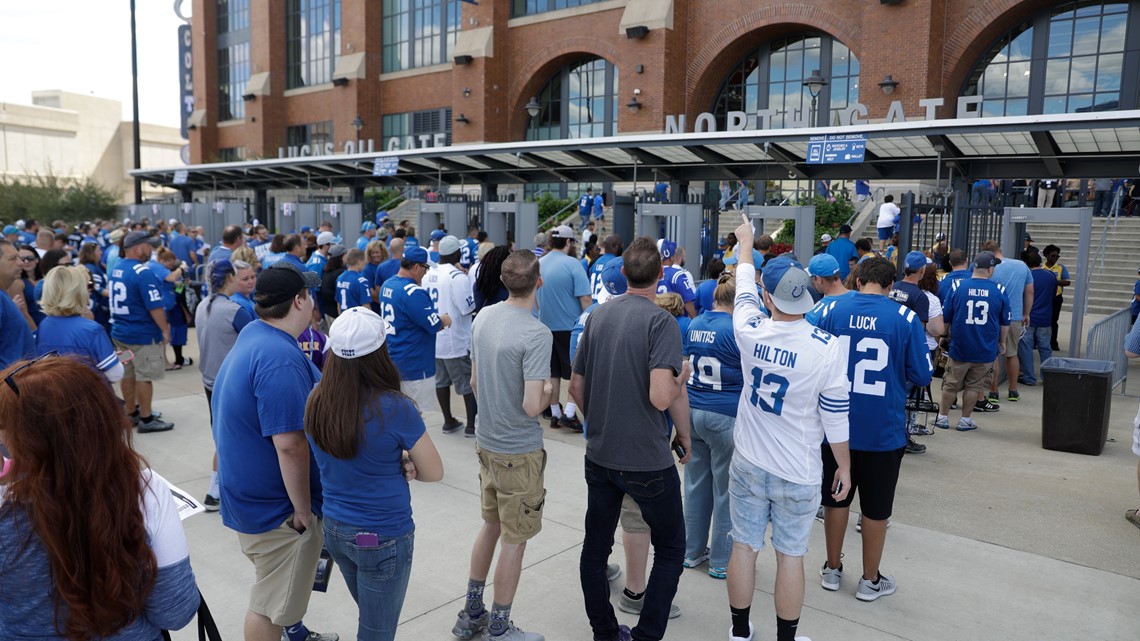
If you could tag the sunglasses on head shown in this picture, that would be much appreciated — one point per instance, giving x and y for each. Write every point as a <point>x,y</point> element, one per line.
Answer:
<point>11,382</point>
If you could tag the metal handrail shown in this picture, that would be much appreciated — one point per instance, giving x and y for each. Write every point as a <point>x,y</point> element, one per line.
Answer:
<point>403,195</point>
<point>873,199</point>
<point>555,215</point>
<point>1106,343</point>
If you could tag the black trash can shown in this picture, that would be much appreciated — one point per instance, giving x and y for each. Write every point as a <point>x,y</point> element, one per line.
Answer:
<point>1075,412</point>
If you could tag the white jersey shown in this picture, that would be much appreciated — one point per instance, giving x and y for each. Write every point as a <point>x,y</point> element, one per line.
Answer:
<point>795,389</point>
<point>887,214</point>
<point>450,290</point>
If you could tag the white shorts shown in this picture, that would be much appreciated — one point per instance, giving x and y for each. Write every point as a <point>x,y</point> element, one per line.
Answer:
<point>422,393</point>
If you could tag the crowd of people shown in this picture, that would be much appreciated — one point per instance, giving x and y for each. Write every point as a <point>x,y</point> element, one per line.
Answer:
<point>318,362</point>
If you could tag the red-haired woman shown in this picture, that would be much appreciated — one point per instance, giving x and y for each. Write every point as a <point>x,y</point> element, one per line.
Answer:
<point>91,546</point>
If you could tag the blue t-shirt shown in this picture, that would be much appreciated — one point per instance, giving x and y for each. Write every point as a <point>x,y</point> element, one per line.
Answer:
<point>976,310</point>
<point>886,349</point>
<point>386,270</point>
<point>362,242</point>
<point>16,341</point>
<point>183,247</point>
<point>599,206</point>
<point>260,391</point>
<point>30,300</point>
<point>1013,274</point>
<point>704,300</point>
<point>910,296</point>
<point>352,290</point>
<point>563,282</point>
<point>79,337</point>
<point>948,282</point>
<point>99,306</point>
<point>369,491</point>
<point>674,280</point>
<point>221,253</point>
<point>595,274</point>
<point>1135,293</point>
<point>1044,286</point>
<point>843,250</point>
<point>716,380</point>
<point>585,205</point>
<point>245,302</point>
<point>816,312</point>
<point>135,290</point>
<point>412,325</point>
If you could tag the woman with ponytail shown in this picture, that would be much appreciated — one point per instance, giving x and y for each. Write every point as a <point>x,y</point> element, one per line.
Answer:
<point>217,322</point>
<point>91,546</point>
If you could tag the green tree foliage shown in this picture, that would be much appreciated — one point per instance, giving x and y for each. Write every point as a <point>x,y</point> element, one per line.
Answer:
<point>829,215</point>
<point>549,205</point>
<point>49,197</point>
<point>375,198</point>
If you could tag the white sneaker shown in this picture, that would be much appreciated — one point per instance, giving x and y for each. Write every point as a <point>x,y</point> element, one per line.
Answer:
<point>830,577</point>
<point>731,637</point>
<point>868,591</point>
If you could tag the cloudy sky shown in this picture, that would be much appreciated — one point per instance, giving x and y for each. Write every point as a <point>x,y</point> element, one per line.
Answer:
<point>84,46</point>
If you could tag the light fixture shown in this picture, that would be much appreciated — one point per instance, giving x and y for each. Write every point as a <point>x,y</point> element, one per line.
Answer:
<point>815,83</point>
<point>634,105</point>
<point>249,97</point>
<point>340,82</point>
<point>463,119</point>
<point>358,124</point>
<point>533,107</point>
<point>466,92</point>
<point>888,84</point>
<point>464,60</point>
<point>636,33</point>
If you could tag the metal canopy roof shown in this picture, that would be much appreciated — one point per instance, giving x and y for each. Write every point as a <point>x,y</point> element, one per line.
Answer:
<point>1087,145</point>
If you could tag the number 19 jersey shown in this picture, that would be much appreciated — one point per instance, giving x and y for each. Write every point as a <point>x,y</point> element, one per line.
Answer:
<point>886,348</point>
<point>715,381</point>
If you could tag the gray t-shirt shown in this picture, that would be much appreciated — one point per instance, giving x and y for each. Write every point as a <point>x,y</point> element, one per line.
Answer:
<point>509,347</point>
<point>623,341</point>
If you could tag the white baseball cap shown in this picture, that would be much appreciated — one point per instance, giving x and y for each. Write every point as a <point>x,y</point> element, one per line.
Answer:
<point>325,238</point>
<point>357,332</point>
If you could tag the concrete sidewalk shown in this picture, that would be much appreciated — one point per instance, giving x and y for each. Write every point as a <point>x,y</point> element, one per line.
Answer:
<point>992,538</point>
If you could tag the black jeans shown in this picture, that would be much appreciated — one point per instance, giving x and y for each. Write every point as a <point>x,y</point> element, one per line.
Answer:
<point>658,494</point>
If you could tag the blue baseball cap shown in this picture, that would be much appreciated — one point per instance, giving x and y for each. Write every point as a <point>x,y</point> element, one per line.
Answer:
<point>823,265</point>
<point>916,260</point>
<point>789,285</point>
<point>11,229</point>
<point>306,229</point>
<point>438,234</point>
<point>757,259</point>
<point>416,254</point>
<point>612,279</point>
<point>368,224</point>
<point>381,217</point>
<point>668,248</point>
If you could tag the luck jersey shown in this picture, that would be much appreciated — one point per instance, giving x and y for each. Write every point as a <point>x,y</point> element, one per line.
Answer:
<point>595,274</point>
<point>716,380</point>
<point>677,281</point>
<point>352,290</point>
<point>885,348</point>
<point>794,393</point>
<point>450,291</point>
<point>468,252</point>
<point>135,290</point>
<point>976,309</point>
<point>412,325</point>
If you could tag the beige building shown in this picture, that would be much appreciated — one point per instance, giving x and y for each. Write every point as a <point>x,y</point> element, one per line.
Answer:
<point>74,135</point>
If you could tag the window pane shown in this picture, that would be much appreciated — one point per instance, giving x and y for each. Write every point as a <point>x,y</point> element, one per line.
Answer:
<point>1057,77</point>
<point>1108,72</point>
<point>1060,39</point>
<point>1017,83</point>
<point>1112,30</point>
<point>1086,36</point>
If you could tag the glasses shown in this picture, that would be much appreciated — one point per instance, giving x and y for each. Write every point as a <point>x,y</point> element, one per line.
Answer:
<point>27,259</point>
<point>12,381</point>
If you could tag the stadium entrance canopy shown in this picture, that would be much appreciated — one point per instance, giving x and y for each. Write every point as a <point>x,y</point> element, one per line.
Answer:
<point>1081,145</point>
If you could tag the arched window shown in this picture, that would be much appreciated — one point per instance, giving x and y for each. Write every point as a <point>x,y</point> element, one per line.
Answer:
<point>1069,59</point>
<point>772,77</point>
<point>579,101</point>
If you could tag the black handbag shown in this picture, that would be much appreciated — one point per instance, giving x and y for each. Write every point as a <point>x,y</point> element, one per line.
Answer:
<point>207,628</point>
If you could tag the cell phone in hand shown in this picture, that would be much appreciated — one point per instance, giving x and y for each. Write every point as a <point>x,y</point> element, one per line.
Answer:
<point>679,450</point>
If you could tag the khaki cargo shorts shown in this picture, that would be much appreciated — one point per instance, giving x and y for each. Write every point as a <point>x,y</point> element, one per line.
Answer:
<point>285,564</point>
<point>512,493</point>
<point>149,363</point>
<point>960,376</point>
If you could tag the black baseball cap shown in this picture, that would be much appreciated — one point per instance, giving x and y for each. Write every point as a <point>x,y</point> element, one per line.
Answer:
<point>138,238</point>
<point>282,281</point>
<point>845,229</point>
<point>985,260</point>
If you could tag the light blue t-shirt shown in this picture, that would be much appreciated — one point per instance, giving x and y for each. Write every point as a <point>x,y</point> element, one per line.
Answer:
<point>76,336</point>
<point>260,391</point>
<point>1013,274</point>
<point>413,323</point>
<point>563,283</point>
<point>369,491</point>
<point>843,250</point>
<point>135,290</point>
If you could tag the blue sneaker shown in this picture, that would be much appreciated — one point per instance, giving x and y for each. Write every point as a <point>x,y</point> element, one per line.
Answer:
<point>966,424</point>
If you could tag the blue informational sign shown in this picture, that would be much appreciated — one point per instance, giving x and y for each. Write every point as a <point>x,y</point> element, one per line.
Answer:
<point>385,166</point>
<point>185,77</point>
<point>834,150</point>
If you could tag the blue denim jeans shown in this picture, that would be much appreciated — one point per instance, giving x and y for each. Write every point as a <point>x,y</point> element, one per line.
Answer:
<point>377,577</point>
<point>706,488</point>
<point>1034,338</point>
<point>658,494</point>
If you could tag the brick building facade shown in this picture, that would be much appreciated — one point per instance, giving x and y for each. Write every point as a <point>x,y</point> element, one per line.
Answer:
<point>931,48</point>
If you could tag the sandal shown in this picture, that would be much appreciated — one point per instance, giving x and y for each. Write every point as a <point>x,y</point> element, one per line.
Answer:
<point>171,368</point>
<point>1133,517</point>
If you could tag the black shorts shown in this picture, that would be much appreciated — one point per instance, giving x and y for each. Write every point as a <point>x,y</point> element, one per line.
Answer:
<point>873,474</point>
<point>560,356</point>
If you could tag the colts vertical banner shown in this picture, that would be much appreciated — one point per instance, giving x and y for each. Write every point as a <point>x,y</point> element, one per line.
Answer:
<point>186,77</point>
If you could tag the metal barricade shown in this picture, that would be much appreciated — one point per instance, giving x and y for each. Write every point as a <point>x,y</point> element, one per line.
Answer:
<point>1106,343</point>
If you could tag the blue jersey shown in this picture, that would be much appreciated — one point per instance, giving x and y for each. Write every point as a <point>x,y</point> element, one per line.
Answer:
<point>79,337</point>
<point>362,242</point>
<point>99,306</point>
<point>135,291</point>
<point>704,300</point>
<point>595,274</point>
<point>352,290</point>
<point>468,252</point>
<point>676,280</point>
<point>816,312</point>
<point>161,273</point>
<point>585,205</point>
<point>716,379</point>
<point>386,270</point>
<point>886,349</point>
<point>412,326</point>
<point>976,310</point>
<point>948,281</point>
